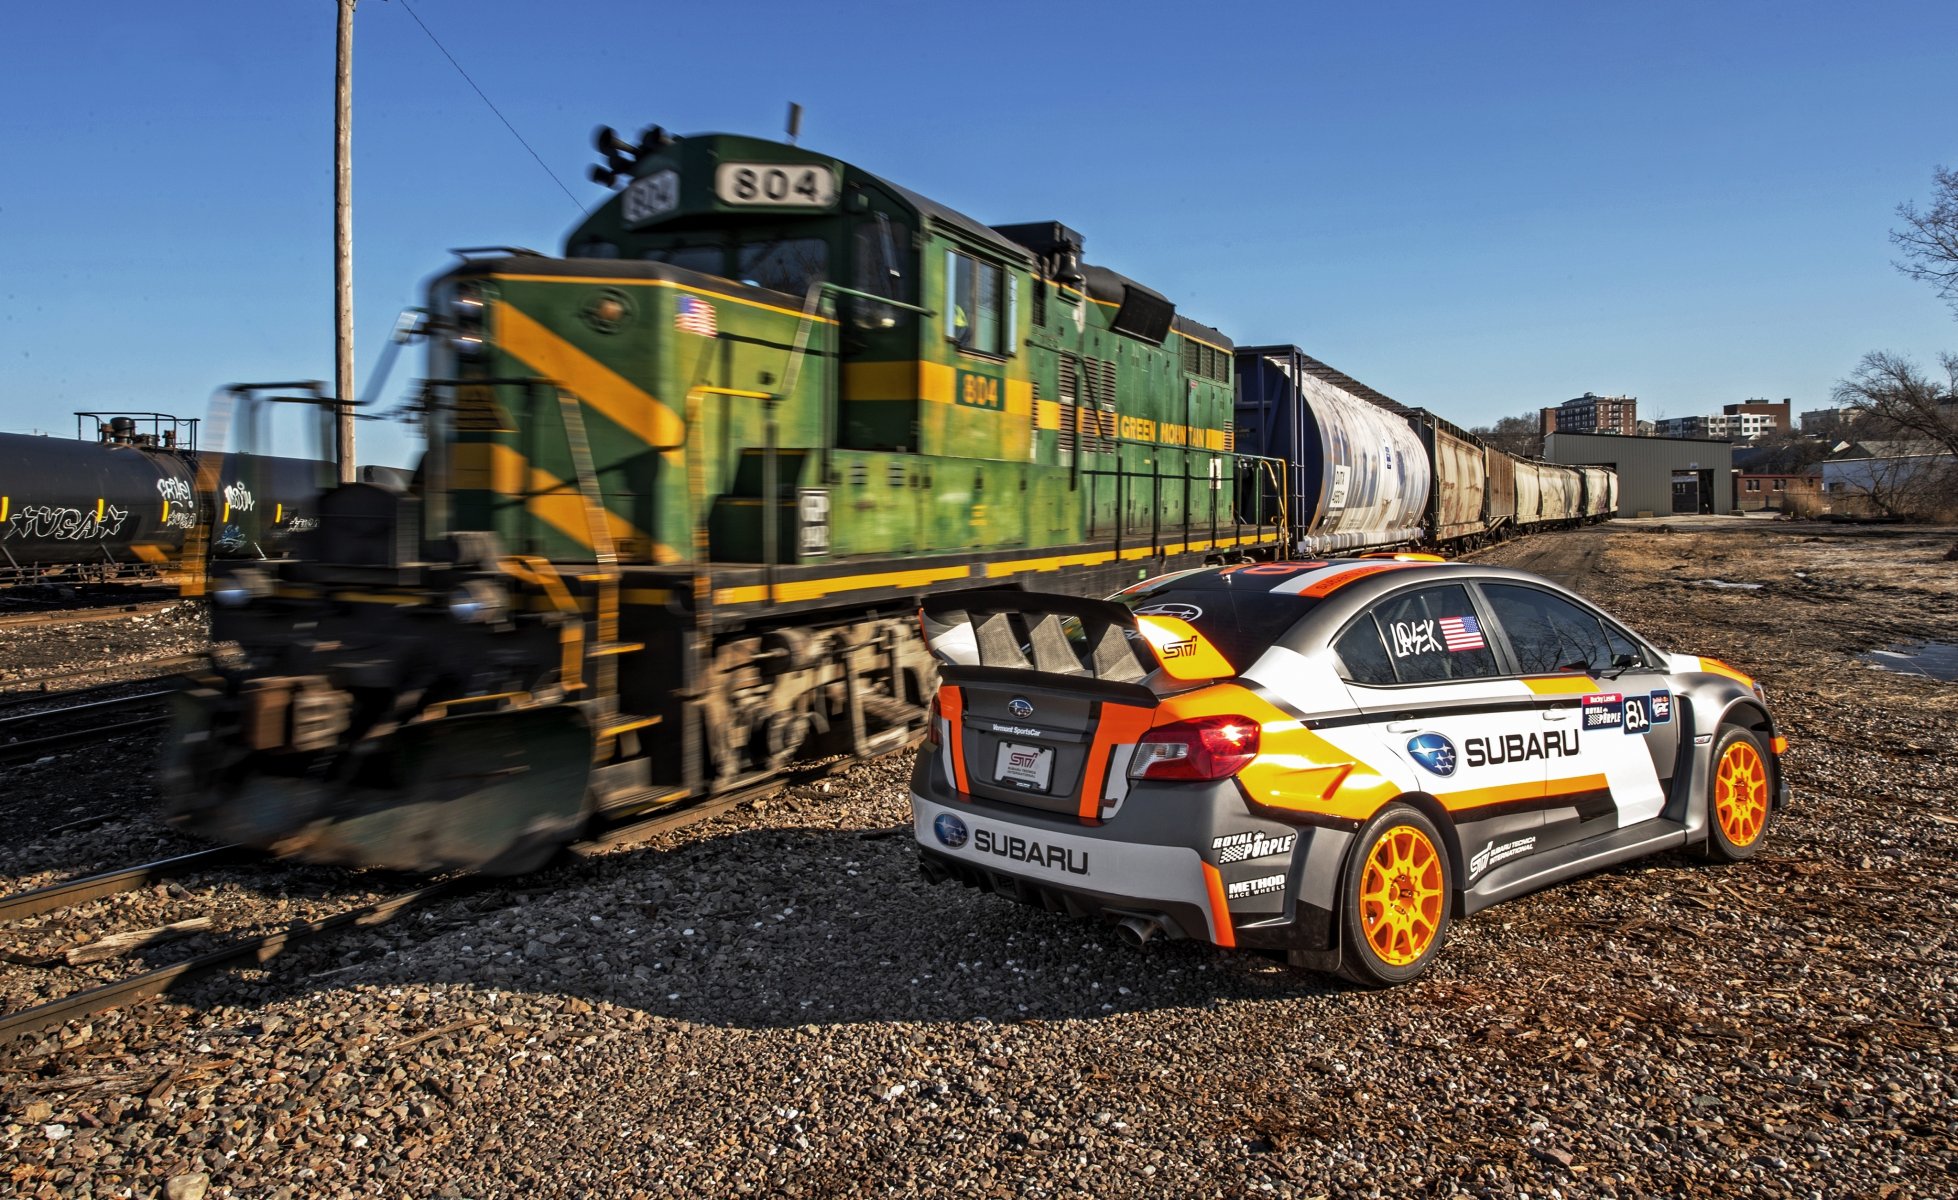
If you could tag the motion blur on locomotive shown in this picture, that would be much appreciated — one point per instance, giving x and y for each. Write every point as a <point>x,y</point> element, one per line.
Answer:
<point>685,485</point>
<point>687,482</point>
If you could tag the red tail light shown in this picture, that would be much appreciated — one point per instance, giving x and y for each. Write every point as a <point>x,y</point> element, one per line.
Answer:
<point>1200,748</point>
<point>932,718</point>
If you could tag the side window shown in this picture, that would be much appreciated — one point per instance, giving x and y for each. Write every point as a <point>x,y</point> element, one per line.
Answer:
<point>1433,635</point>
<point>1621,646</point>
<point>975,304</point>
<point>1362,656</point>
<point>1549,633</point>
<point>880,272</point>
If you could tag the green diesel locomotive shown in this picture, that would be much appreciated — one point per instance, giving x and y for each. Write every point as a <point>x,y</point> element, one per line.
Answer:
<point>684,488</point>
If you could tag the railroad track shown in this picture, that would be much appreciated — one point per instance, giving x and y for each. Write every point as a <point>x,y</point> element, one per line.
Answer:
<point>22,739</point>
<point>265,946</point>
<point>34,689</point>
<point>81,616</point>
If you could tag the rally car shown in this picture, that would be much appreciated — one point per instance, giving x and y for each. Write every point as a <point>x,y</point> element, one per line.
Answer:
<point>1324,760</point>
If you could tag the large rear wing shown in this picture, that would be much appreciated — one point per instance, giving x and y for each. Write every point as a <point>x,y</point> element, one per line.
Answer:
<point>1011,638</point>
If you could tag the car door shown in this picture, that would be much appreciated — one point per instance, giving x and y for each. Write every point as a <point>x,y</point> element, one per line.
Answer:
<point>1432,689</point>
<point>1596,679</point>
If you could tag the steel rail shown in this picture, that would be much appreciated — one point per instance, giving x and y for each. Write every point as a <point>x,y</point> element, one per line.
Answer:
<point>113,702</point>
<point>33,748</point>
<point>262,947</point>
<point>110,883</point>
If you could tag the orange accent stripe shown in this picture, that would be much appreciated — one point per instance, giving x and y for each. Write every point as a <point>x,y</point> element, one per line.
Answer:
<point>1119,724</point>
<point>951,702</point>
<point>1220,912</point>
<point>1714,666</point>
<point>1478,797</point>
<point>1562,685</point>
<point>1780,745</point>
<point>1327,586</point>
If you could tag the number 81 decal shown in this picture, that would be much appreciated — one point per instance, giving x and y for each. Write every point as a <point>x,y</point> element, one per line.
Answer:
<point>788,185</point>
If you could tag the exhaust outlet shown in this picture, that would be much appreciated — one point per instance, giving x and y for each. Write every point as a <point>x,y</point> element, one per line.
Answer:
<point>1138,930</point>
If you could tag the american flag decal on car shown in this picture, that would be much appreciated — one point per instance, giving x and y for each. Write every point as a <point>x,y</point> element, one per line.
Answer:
<point>1461,633</point>
<point>695,315</point>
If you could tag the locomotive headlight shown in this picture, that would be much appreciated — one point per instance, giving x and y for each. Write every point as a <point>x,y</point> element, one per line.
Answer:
<point>241,588</point>
<point>478,602</point>
<point>468,310</point>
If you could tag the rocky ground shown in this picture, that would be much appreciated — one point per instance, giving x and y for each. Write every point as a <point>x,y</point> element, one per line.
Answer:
<point>775,1004</point>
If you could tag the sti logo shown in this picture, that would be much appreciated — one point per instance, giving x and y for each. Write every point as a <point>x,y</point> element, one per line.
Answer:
<point>1434,752</point>
<point>950,830</point>
<point>1023,760</point>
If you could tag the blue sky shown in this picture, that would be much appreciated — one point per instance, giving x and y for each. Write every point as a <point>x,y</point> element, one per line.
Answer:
<point>1476,208</point>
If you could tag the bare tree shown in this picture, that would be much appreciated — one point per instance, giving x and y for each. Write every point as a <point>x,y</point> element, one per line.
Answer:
<point>1929,240</point>
<point>1889,391</point>
<point>1515,435</point>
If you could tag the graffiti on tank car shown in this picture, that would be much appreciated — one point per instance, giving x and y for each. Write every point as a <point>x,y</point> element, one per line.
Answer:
<point>48,523</point>
<point>179,506</point>
<point>176,491</point>
<point>238,498</point>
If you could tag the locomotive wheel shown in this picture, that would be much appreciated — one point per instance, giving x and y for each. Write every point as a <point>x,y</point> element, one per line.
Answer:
<point>1739,805</point>
<point>1395,893</point>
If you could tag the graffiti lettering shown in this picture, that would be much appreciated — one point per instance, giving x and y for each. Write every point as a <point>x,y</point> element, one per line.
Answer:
<point>176,491</point>
<point>239,498</point>
<point>65,524</point>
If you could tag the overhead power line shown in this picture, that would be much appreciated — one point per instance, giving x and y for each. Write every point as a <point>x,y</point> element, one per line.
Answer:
<point>492,107</point>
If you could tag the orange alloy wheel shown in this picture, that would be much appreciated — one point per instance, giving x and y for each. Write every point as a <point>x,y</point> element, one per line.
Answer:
<point>1740,793</point>
<point>1401,900</point>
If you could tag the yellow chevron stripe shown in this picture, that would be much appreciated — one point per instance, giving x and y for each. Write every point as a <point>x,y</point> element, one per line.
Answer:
<point>493,467</point>
<point>604,390</point>
<point>663,283</point>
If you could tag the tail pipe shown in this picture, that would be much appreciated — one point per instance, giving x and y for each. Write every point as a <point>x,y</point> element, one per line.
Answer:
<point>1138,930</point>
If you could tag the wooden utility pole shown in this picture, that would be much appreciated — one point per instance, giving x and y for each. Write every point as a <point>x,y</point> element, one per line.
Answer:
<point>343,243</point>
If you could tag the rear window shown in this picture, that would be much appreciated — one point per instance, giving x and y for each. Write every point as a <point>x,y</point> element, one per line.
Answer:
<point>1241,621</point>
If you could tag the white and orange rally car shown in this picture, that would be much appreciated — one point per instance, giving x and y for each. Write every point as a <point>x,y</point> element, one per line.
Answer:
<point>1323,760</point>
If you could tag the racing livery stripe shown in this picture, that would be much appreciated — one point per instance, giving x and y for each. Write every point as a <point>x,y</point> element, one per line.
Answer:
<point>951,702</point>
<point>1331,581</point>
<point>1118,724</point>
<point>1714,666</point>
<point>1221,930</point>
<point>1528,790</point>
<point>1563,685</point>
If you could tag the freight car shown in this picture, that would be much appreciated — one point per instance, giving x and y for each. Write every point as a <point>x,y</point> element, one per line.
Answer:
<point>685,486</point>
<point>126,502</point>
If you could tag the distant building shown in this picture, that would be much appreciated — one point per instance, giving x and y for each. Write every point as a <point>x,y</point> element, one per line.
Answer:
<point>1828,422</point>
<point>1647,429</point>
<point>1592,413</point>
<point>1780,493</point>
<point>1760,416</point>
<point>1546,421</point>
<point>1734,422</point>
<point>1656,476</point>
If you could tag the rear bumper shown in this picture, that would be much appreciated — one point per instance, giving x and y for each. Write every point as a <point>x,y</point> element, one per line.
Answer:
<point>1191,857</point>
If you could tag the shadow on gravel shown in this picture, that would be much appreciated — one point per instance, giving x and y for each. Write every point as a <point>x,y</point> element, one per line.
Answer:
<point>773,928</point>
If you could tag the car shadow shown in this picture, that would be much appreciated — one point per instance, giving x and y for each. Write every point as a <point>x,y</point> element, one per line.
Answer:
<point>769,928</point>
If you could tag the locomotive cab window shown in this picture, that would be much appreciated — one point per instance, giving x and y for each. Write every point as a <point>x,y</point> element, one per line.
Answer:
<point>979,305</point>
<point>784,264</point>
<point>708,260</point>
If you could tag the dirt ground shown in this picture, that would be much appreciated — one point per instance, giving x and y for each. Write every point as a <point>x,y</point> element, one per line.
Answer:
<point>776,1004</point>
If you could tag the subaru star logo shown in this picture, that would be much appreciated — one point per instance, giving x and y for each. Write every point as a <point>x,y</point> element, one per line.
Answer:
<point>1020,707</point>
<point>1434,752</point>
<point>950,830</point>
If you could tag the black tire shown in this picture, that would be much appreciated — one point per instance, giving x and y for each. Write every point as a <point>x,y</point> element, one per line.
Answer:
<point>1739,796</point>
<point>1391,941</point>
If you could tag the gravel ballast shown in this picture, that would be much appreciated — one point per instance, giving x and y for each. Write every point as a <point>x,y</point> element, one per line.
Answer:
<point>775,1003</point>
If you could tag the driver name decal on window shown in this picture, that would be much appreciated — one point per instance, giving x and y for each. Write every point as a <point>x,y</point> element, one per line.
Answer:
<point>1414,637</point>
